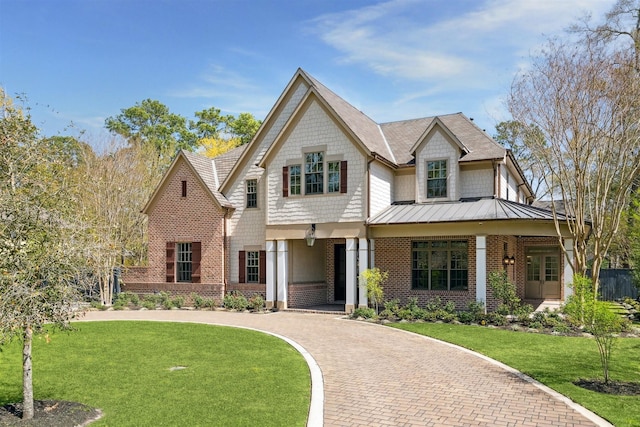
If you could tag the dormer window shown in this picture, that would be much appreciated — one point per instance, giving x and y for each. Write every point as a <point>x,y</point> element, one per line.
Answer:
<point>436,179</point>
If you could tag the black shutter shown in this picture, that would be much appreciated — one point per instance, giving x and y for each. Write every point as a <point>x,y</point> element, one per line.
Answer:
<point>262,268</point>
<point>242,267</point>
<point>196,255</point>
<point>285,181</point>
<point>343,176</point>
<point>171,262</point>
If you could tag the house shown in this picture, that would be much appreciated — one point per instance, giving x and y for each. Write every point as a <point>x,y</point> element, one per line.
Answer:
<point>323,192</point>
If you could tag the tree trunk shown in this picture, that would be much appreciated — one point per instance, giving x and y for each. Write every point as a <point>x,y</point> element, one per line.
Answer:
<point>27,377</point>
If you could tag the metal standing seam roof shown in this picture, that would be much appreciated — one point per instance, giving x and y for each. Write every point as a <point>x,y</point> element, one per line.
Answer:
<point>460,211</point>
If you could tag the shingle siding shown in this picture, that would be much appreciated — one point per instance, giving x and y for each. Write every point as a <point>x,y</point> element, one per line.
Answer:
<point>316,129</point>
<point>381,187</point>
<point>476,183</point>
<point>246,227</point>
<point>437,148</point>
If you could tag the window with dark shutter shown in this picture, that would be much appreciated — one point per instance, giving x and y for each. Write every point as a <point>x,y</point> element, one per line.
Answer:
<point>242,270</point>
<point>196,254</point>
<point>171,260</point>
<point>263,267</point>
<point>184,188</point>
<point>343,176</point>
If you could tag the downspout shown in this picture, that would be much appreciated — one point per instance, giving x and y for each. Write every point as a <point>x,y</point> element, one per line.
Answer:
<point>495,179</point>
<point>225,248</point>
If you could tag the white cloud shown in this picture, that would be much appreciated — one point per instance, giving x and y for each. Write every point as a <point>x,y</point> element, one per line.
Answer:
<point>406,39</point>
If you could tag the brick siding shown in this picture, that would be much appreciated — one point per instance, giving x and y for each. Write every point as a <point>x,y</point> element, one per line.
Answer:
<point>195,218</point>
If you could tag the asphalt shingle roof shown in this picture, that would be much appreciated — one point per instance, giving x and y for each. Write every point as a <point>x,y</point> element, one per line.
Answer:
<point>394,140</point>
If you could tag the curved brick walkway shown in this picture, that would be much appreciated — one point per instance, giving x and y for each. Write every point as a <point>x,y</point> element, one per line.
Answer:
<point>380,376</point>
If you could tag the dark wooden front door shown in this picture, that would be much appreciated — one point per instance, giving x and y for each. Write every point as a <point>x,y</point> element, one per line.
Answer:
<point>340,267</point>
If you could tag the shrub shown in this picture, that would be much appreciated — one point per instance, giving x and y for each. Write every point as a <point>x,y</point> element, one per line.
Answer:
<point>581,302</point>
<point>523,314</point>
<point>149,304</point>
<point>504,290</point>
<point>197,300</point>
<point>496,319</point>
<point>466,317</point>
<point>256,302</point>
<point>363,312</point>
<point>434,304</point>
<point>178,301</point>
<point>235,301</point>
<point>134,299</point>
<point>390,309</point>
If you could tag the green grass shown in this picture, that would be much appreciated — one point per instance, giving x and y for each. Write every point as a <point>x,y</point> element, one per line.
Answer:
<point>233,376</point>
<point>555,361</point>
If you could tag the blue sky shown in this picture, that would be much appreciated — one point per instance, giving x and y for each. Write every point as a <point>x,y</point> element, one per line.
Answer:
<point>81,61</point>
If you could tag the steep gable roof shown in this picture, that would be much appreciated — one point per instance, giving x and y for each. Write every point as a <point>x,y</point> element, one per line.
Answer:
<point>205,170</point>
<point>362,126</point>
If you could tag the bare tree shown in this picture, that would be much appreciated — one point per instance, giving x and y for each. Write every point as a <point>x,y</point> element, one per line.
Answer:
<point>583,96</point>
<point>114,187</point>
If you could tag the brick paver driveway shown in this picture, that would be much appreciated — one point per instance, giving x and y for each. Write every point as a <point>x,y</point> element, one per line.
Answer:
<point>379,376</point>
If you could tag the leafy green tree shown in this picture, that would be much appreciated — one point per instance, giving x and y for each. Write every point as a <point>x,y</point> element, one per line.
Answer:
<point>244,127</point>
<point>39,251</point>
<point>151,122</point>
<point>209,124</point>
<point>373,279</point>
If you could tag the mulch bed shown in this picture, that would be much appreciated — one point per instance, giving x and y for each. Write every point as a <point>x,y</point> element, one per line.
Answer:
<point>620,388</point>
<point>50,413</point>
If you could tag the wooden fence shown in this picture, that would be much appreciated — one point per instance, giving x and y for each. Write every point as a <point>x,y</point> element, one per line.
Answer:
<point>617,283</point>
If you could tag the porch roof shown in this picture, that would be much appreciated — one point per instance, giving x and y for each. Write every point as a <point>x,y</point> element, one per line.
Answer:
<point>460,211</point>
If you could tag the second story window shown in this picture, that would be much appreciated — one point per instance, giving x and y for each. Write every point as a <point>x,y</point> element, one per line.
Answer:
<point>252,193</point>
<point>333,179</point>
<point>295,180</point>
<point>436,179</point>
<point>314,173</point>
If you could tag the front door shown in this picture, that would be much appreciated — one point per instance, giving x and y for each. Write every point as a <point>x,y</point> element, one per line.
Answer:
<point>543,275</point>
<point>340,278</point>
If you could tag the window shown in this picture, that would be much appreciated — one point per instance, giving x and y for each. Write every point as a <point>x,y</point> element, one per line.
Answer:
<point>440,265</point>
<point>184,188</point>
<point>252,193</point>
<point>184,266</point>
<point>314,173</point>
<point>436,179</point>
<point>295,180</point>
<point>253,266</point>
<point>333,181</point>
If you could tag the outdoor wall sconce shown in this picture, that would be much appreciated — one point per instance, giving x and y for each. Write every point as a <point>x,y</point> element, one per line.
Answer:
<point>508,260</point>
<point>310,235</point>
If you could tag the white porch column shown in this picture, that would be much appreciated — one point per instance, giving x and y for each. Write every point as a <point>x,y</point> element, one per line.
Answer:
<point>282,274</point>
<point>352,260</point>
<point>481,269</point>
<point>272,268</point>
<point>568,269</point>
<point>363,264</point>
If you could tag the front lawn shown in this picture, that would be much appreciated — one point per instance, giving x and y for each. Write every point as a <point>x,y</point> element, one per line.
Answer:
<point>221,375</point>
<point>556,361</point>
